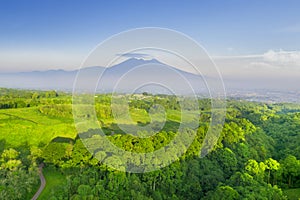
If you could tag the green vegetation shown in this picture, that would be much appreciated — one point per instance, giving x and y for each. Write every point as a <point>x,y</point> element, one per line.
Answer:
<point>54,179</point>
<point>293,194</point>
<point>257,155</point>
<point>30,126</point>
<point>18,172</point>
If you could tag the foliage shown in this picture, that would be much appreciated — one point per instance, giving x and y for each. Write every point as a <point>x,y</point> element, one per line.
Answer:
<point>256,156</point>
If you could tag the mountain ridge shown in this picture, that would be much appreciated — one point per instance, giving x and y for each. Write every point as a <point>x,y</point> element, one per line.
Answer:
<point>63,80</point>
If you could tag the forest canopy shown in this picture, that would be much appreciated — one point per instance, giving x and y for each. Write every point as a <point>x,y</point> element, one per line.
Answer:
<point>257,155</point>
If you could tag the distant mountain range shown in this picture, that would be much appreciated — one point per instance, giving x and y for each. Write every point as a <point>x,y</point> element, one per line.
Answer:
<point>153,76</point>
<point>131,75</point>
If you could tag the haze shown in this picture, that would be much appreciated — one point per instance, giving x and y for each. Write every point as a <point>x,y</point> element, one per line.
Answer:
<point>254,41</point>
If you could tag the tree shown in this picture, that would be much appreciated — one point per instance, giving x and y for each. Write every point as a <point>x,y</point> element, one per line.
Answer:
<point>9,154</point>
<point>252,167</point>
<point>54,153</point>
<point>35,155</point>
<point>291,168</point>
<point>84,190</point>
<point>9,160</point>
<point>223,193</point>
<point>271,165</point>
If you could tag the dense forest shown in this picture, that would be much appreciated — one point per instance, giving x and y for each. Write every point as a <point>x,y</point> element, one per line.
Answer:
<point>257,155</point>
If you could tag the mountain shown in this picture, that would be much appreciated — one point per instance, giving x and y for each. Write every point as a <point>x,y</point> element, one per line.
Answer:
<point>51,79</point>
<point>138,75</point>
<point>132,75</point>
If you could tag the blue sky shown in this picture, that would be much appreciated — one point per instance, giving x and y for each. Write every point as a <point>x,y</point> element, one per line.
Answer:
<point>60,33</point>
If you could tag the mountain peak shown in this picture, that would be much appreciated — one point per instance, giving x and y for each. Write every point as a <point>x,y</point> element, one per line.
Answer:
<point>133,62</point>
<point>141,60</point>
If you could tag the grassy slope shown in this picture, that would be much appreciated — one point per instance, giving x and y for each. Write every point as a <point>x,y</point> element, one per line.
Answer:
<point>28,125</point>
<point>292,194</point>
<point>53,179</point>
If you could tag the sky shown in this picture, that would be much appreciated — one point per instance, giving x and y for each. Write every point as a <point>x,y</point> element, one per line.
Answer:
<point>251,37</point>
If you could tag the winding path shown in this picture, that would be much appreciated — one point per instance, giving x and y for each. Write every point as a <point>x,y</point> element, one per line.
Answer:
<point>43,182</point>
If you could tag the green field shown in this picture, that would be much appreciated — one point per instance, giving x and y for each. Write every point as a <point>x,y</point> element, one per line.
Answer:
<point>29,126</point>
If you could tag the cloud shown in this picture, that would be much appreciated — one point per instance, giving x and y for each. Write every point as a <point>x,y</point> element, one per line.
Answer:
<point>269,59</point>
<point>272,63</point>
<point>282,57</point>
<point>260,65</point>
<point>276,60</point>
<point>135,55</point>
